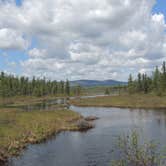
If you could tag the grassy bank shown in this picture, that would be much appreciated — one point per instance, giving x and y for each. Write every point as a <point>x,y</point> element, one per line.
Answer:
<point>18,128</point>
<point>124,101</point>
<point>23,100</point>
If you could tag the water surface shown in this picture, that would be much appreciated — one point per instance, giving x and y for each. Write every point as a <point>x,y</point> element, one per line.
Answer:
<point>46,105</point>
<point>95,147</point>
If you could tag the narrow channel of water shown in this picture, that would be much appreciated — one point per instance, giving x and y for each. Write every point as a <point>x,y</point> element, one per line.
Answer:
<point>94,147</point>
<point>46,105</point>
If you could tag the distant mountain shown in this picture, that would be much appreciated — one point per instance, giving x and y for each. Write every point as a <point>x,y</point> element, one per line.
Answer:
<point>97,83</point>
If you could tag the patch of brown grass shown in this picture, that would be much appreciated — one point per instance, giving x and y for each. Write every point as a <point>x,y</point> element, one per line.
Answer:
<point>124,101</point>
<point>18,128</point>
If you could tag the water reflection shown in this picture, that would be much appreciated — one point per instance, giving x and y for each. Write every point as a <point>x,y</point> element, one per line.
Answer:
<point>42,105</point>
<point>94,148</point>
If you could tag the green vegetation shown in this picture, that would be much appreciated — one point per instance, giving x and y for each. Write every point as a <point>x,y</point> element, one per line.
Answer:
<point>123,101</point>
<point>21,86</point>
<point>107,92</point>
<point>147,84</point>
<point>134,153</point>
<point>18,128</point>
<point>143,92</point>
<point>98,90</point>
<point>25,100</point>
<point>116,90</point>
<point>77,90</point>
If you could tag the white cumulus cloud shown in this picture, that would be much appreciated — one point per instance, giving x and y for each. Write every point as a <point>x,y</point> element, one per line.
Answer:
<point>11,39</point>
<point>85,39</point>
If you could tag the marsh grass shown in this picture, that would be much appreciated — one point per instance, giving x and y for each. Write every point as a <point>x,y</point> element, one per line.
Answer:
<point>132,152</point>
<point>123,101</point>
<point>24,100</point>
<point>19,128</point>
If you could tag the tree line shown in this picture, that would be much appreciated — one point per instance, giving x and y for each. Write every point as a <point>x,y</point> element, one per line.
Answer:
<point>20,86</point>
<point>118,89</point>
<point>145,84</point>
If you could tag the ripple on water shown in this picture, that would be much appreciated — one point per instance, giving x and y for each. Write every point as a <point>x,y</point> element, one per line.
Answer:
<point>94,148</point>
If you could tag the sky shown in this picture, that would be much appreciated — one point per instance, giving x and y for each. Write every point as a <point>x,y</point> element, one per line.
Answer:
<point>82,39</point>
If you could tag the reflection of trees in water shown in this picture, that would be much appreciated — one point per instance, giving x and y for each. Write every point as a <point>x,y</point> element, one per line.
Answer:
<point>159,114</point>
<point>159,121</point>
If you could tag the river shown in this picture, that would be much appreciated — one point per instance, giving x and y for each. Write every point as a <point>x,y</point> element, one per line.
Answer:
<point>95,147</point>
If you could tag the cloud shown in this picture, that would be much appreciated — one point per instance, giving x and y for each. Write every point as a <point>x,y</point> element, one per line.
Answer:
<point>37,53</point>
<point>85,39</point>
<point>11,39</point>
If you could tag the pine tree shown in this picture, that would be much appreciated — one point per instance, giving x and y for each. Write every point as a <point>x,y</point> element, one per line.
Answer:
<point>130,84</point>
<point>67,88</point>
<point>139,84</point>
<point>21,86</point>
<point>156,79</point>
<point>163,77</point>
<point>61,87</point>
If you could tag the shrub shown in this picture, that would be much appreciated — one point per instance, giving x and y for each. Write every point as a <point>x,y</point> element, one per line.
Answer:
<point>134,153</point>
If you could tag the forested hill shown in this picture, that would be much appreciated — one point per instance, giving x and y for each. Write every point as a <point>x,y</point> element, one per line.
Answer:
<point>96,83</point>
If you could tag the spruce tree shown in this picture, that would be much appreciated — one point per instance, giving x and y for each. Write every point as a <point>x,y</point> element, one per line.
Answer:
<point>130,84</point>
<point>163,77</point>
<point>67,88</point>
<point>139,84</point>
<point>156,80</point>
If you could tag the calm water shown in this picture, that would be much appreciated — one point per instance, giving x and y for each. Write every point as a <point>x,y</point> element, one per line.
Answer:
<point>94,148</point>
<point>42,105</point>
<point>45,105</point>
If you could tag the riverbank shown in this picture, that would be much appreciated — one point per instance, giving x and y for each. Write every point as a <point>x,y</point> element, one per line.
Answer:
<point>123,101</point>
<point>19,128</point>
<point>24,100</point>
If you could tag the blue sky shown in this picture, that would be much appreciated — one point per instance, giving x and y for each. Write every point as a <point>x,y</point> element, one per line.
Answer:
<point>79,52</point>
<point>160,7</point>
<point>18,2</point>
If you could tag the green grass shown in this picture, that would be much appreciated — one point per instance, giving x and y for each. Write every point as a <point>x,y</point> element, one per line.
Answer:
<point>18,128</point>
<point>100,90</point>
<point>124,101</point>
<point>95,90</point>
